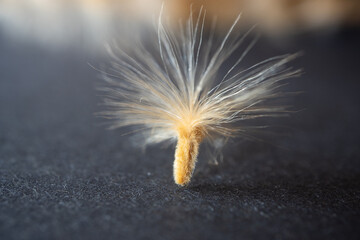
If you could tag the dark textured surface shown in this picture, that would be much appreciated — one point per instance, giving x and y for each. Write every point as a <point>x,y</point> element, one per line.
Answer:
<point>63,176</point>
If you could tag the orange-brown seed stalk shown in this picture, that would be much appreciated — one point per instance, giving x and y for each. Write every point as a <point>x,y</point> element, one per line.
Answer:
<point>186,153</point>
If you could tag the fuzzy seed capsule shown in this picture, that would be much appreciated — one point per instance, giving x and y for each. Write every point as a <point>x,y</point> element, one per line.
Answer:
<point>186,153</point>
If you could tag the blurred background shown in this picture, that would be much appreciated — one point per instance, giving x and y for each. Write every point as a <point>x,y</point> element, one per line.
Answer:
<point>88,22</point>
<point>64,176</point>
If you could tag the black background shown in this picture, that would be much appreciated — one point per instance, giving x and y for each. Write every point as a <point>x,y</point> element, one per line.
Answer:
<point>64,176</point>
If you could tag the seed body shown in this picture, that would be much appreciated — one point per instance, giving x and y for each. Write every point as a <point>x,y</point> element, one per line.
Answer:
<point>186,153</point>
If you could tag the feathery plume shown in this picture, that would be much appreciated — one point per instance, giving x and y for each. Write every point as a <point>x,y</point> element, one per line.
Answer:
<point>175,93</point>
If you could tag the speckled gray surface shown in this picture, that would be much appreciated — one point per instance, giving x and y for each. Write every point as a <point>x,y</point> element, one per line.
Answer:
<point>63,176</point>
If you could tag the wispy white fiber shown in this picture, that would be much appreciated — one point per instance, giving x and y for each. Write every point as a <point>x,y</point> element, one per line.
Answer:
<point>173,82</point>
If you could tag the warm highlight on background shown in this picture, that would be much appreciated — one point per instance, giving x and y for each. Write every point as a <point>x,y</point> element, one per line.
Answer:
<point>91,22</point>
